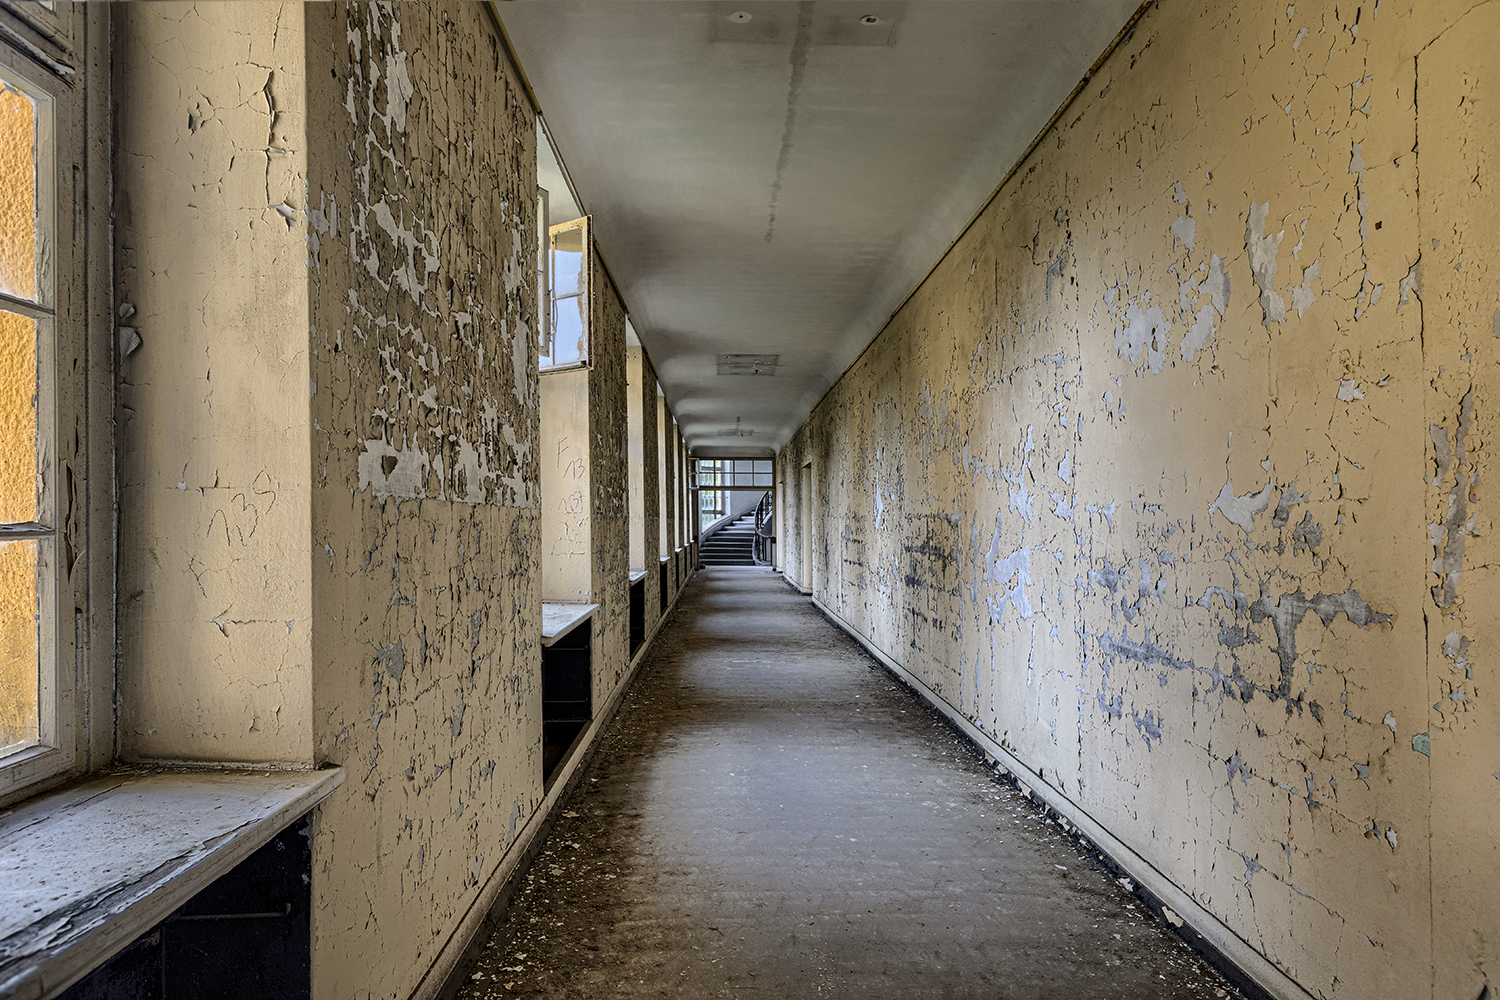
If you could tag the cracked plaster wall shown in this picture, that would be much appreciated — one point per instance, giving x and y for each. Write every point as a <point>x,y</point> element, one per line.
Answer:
<point>331,443</point>
<point>419,223</point>
<point>1171,477</point>
<point>645,508</point>
<point>330,544</point>
<point>213,428</point>
<point>585,489</point>
<point>567,571</point>
<point>610,487</point>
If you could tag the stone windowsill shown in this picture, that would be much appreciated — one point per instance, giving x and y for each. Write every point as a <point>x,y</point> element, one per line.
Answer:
<point>93,866</point>
<point>561,617</point>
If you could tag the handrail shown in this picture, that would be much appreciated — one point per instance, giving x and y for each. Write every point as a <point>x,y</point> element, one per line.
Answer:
<point>763,550</point>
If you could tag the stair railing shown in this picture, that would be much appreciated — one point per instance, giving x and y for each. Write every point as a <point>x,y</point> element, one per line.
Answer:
<point>764,547</point>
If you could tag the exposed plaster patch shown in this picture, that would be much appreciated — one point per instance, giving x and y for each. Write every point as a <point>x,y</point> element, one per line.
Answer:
<point>1143,334</point>
<point>1448,536</point>
<point>1216,284</point>
<point>1262,250</point>
<point>1287,611</point>
<point>1411,285</point>
<point>1199,334</point>
<point>1241,510</point>
<point>1303,295</point>
<point>1185,229</point>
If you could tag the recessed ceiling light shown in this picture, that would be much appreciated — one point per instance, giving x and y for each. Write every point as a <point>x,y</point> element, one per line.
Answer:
<point>869,19</point>
<point>740,16</point>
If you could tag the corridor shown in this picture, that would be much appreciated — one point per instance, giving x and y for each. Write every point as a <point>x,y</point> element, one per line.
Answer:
<point>782,498</point>
<point>772,815</point>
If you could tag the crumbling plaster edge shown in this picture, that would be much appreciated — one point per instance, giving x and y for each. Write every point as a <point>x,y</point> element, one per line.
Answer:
<point>444,975</point>
<point>1256,969</point>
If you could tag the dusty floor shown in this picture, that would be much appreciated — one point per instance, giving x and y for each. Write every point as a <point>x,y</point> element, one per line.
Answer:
<point>771,815</point>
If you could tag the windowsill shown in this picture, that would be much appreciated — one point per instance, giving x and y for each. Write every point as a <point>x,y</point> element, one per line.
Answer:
<point>93,866</point>
<point>561,617</point>
<point>637,575</point>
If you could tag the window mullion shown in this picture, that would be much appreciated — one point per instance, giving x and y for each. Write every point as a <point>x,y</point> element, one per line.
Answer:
<point>27,529</point>
<point>24,307</point>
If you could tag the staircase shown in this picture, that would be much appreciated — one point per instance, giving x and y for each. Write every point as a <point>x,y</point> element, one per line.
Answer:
<point>731,544</point>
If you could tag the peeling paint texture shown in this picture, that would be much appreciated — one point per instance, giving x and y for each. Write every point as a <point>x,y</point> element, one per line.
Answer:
<point>1273,538</point>
<point>214,430</point>
<point>419,218</point>
<point>330,499</point>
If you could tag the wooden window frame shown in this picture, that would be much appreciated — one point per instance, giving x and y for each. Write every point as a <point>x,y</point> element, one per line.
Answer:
<point>585,294</point>
<point>61,53</point>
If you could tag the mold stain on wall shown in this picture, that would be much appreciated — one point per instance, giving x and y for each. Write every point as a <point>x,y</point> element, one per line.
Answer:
<point>1170,477</point>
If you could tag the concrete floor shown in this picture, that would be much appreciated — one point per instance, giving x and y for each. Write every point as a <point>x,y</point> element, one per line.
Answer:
<point>771,815</point>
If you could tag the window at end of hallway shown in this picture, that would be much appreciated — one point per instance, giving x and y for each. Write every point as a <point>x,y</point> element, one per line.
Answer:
<point>715,479</point>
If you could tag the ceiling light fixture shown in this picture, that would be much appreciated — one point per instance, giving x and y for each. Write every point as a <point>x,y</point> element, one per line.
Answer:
<point>869,19</point>
<point>740,16</point>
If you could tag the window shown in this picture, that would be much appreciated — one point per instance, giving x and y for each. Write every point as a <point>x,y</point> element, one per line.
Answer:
<point>32,687</point>
<point>571,270</point>
<point>716,479</point>
<point>710,506</point>
<point>543,273</point>
<point>734,473</point>
<point>56,382</point>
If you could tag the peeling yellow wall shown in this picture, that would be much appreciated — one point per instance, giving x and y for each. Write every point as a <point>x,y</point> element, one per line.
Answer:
<point>651,491</point>
<point>609,489</point>
<point>1458,232</point>
<point>566,524</point>
<point>419,228</point>
<point>333,460</point>
<point>1170,477</point>
<point>213,417</point>
<point>634,408</point>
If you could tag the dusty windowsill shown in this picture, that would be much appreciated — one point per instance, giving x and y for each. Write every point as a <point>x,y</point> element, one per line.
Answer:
<point>561,617</point>
<point>89,868</point>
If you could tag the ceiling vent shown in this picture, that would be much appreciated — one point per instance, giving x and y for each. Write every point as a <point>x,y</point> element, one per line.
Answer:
<point>748,364</point>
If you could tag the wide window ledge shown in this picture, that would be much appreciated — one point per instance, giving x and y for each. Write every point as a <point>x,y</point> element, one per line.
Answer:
<point>90,868</point>
<point>561,617</point>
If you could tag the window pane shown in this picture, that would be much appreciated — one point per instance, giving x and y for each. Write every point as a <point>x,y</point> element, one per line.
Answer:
<point>18,392</point>
<point>17,192</point>
<point>571,261</point>
<point>567,272</point>
<point>19,715</point>
<point>568,337</point>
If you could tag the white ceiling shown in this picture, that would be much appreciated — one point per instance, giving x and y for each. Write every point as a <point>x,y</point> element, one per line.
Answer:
<point>779,185</point>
